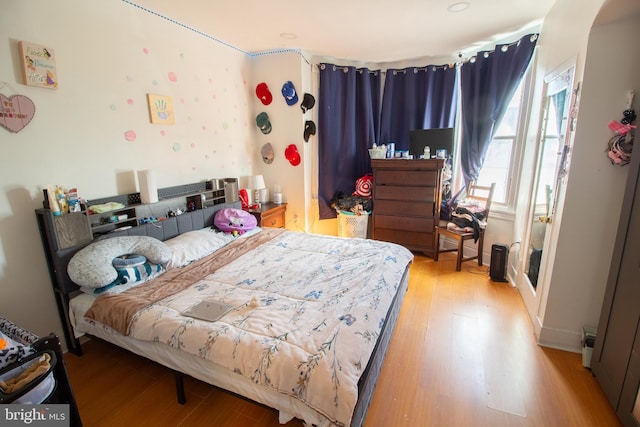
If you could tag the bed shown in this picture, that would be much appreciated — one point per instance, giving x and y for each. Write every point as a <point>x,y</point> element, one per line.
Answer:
<point>307,323</point>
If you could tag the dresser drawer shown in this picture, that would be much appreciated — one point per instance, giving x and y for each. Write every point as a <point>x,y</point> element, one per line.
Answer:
<point>404,208</point>
<point>412,240</point>
<point>396,192</point>
<point>396,222</point>
<point>406,177</point>
<point>273,219</point>
<point>270,215</point>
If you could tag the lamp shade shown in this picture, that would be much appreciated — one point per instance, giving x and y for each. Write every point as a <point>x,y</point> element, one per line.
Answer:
<point>258,182</point>
<point>148,186</point>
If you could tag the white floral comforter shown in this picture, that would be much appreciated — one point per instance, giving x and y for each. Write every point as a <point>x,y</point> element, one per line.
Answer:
<point>307,313</point>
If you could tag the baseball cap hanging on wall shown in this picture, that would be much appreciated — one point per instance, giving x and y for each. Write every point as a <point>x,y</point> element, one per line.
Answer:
<point>291,154</point>
<point>263,122</point>
<point>308,101</point>
<point>263,93</point>
<point>267,153</point>
<point>309,129</point>
<point>289,93</point>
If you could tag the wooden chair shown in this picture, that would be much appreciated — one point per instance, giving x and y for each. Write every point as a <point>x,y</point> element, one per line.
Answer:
<point>477,195</point>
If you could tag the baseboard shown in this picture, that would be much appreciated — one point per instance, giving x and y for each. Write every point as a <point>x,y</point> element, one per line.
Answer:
<point>561,339</point>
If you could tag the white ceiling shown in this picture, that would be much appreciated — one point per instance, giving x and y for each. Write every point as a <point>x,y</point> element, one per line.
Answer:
<point>356,30</point>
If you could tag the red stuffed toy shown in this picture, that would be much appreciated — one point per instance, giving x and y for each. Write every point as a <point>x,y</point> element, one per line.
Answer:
<point>244,199</point>
<point>363,186</point>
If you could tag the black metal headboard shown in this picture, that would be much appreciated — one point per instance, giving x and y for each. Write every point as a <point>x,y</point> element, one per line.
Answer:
<point>64,288</point>
<point>162,230</point>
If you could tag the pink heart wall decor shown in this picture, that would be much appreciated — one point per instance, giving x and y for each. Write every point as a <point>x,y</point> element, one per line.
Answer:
<point>16,112</point>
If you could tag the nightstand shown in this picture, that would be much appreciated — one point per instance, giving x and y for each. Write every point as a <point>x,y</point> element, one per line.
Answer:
<point>270,215</point>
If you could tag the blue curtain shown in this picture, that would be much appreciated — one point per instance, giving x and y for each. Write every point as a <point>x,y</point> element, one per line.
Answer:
<point>417,98</point>
<point>348,125</point>
<point>487,86</point>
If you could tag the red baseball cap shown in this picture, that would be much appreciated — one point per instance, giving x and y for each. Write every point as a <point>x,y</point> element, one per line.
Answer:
<point>263,93</point>
<point>291,154</point>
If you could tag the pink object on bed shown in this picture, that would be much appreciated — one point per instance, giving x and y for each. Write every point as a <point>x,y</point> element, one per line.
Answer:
<point>232,220</point>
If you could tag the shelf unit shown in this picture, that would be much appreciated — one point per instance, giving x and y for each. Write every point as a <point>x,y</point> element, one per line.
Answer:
<point>205,199</point>
<point>62,235</point>
<point>106,222</point>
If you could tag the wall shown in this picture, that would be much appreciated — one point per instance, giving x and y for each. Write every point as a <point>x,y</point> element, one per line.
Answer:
<point>287,123</point>
<point>571,285</point>
<point>595,188</point>
<point>109,55</point>
<point>563,40</point>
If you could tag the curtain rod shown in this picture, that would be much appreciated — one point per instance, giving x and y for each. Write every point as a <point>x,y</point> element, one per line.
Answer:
<point>503,47</point>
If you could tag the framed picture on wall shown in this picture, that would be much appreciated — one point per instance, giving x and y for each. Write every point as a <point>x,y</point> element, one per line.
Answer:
<point>38,65</point>
<point>160,109</point>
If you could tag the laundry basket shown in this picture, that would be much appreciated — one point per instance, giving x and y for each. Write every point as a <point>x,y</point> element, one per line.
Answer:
<point>352,225</point>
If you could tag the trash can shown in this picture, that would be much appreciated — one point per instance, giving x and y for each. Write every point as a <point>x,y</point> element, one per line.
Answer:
<point>352,225</point>
<point>588,341</point>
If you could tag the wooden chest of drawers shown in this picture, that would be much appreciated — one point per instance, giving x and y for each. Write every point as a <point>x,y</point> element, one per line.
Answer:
<point>270,215</point>
<point>406,202</point>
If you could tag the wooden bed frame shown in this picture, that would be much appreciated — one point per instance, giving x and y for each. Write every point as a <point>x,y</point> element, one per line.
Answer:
<point>64,289</point>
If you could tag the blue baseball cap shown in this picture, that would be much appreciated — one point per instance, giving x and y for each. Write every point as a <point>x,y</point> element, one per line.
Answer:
<point>289,93</point>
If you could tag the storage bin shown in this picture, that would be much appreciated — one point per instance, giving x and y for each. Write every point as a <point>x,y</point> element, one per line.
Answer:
<point>352,225</point>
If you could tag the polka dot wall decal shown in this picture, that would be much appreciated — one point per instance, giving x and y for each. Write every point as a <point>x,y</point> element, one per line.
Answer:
<point>181,100</point>
<point>181,55</point>
<point>177,147</point>
<point>130,135</point>
<point>173,77</point>
<point>163,132</point>
<point>129,78</point>
<point>113,107</point>
<point>206,156</point>
<point>154,82</point>
<point>210,80</point>
<point>225,125</point>
<point>204,127</point>
<point>193,145</point>
<point>196,99</point>
<point>130,101</point>
<point>145,50</point>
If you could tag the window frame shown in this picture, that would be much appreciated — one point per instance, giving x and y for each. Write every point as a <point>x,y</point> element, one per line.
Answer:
<point>508,208</point>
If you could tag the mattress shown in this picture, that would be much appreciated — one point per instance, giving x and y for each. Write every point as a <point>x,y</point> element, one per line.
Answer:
<point>320,300</point>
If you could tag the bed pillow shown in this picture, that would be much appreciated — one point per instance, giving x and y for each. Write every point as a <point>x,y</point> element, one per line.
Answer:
<point>92,266</point>
<point>237,221</point>
<point>193,245</point>
<point>128,277</point>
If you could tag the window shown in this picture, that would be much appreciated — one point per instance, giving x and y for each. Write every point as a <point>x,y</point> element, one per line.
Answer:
<point>500,161</point>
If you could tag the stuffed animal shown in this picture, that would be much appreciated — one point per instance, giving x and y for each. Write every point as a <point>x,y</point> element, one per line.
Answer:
<point>234,221</point>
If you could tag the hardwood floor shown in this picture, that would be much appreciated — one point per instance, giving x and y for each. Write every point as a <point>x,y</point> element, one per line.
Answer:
<point>463,354</point>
